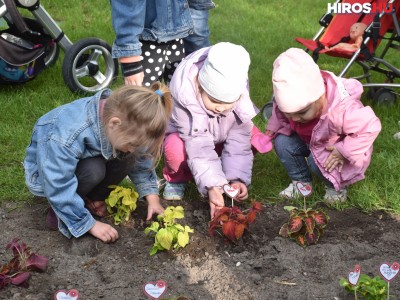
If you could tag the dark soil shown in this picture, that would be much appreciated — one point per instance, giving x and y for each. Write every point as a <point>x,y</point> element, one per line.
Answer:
<point>262,265</point>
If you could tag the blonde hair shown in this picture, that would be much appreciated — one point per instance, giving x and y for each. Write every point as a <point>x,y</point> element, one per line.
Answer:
<point>144,114</point>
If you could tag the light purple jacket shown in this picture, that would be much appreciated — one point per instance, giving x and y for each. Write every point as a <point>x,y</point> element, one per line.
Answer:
<point>202,129</point>
<point>348,124</point>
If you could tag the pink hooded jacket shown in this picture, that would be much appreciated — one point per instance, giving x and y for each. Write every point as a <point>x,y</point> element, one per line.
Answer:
<point>202,129</point>
<point>348,124</point>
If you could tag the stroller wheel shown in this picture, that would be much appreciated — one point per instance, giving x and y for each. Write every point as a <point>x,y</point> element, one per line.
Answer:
<point>266,110</point>
<point>52,55</point>
<point>88,66</point>
<point>385,96</point>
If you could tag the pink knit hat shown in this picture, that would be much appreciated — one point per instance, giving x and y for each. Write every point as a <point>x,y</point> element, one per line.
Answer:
<point>297,80</point>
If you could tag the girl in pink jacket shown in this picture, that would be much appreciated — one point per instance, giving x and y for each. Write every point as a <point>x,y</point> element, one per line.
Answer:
<point>319,123</point>
<point>211,129</point>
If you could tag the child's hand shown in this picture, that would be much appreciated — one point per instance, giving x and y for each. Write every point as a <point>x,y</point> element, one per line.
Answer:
<point>104,232</point>
<point>216,200</point>
<point>269,132</point>
<point>243,193</point>
<point>335,159</point>
<point>154,206</point>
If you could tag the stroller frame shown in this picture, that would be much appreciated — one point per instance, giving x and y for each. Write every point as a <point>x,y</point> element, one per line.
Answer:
<point>380,92</point>
<point>88,58</point>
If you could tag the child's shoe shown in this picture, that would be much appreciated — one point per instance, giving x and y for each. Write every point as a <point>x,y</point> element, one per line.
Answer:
<point>174,191</point>
<point>291,192</point>
<point>333,196</point>
<point>51,219</point>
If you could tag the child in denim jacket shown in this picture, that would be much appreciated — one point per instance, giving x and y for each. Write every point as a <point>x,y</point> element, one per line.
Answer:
<point>79,149</point>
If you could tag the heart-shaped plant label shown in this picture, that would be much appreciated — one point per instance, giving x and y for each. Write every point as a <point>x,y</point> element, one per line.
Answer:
<point>231,191</point>
<point>155,289</point>
<point>354,275</point>
<point>389,272</point>
<point>66,295</point>
<point>304,188</point>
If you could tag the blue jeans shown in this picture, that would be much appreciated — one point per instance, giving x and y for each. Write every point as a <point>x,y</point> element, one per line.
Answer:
<point>296,157</point>
<point>199,38</point>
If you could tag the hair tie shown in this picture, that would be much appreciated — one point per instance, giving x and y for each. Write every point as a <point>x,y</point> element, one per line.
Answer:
<point>158,92</point>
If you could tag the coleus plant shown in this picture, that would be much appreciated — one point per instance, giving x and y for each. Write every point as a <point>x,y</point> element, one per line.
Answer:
<point>121,203</point>
<point>168,233</point>
<point>17,270</point>
<point>233,222</point>
<point>305,225</point>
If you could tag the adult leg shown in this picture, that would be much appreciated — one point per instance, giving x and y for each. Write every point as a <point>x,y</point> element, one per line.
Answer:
<point>153,61</point>
<point>201,31</point>
<point>174,55</point>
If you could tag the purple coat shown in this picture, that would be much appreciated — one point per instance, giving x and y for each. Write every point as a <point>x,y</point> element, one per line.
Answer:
<point>348,124</point>
<point>201,129</point>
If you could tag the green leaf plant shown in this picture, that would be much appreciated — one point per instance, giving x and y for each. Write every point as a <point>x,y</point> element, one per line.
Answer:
<point>168,233</point>
<point>368,288</point>
<point>305,225</point>
<point>121,203</point>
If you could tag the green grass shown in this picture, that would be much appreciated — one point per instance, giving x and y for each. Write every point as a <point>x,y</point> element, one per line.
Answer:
<point>265,29</point>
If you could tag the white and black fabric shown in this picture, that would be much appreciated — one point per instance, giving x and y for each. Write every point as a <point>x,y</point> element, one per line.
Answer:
<point>160,60</point>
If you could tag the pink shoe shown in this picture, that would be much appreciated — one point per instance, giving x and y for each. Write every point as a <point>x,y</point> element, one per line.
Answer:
<point>260,141</point>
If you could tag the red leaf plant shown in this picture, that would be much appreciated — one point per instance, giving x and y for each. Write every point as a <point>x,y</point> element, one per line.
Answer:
<point>233,222</point>
<point>305,226</point>
<point>17,270</point>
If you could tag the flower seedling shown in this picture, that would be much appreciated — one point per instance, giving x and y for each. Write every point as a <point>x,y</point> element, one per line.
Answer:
<point>305,225</point>
<point>121,203</point>
<point>17,270</point>
<point>231,220</point>
<point>368,288</point>
<point>168,233</point>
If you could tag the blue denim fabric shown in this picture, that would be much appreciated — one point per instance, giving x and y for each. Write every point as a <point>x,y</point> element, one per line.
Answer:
<point>199,38</point>
<point>60,139</point>
<point>293,151</point>
<point>151,20</point>
<point>201,4</point>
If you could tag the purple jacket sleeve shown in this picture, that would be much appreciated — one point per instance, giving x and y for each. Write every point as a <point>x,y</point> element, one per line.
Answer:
<point>237,156</point>
<point>203,161</point>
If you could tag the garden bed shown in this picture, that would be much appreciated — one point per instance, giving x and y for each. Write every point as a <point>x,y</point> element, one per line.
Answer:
<point>262,265</point>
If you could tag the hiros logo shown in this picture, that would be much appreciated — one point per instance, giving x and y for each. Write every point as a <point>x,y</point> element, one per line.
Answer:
<point>366,8</point>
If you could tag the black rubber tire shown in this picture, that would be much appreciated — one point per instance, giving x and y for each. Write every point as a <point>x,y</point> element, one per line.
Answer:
<point>52,56</point>
<point>88,66</point>
<point>266,110</point>
<point>385,96</point>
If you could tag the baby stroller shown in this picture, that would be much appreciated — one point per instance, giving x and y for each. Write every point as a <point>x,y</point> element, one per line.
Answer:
<point>29,45</point>
<point>336,28</point>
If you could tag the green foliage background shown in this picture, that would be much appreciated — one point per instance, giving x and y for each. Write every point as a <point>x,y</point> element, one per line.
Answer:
<point>265,29</point>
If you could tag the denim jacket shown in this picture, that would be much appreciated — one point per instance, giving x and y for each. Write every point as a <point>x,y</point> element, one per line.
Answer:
<point>60,139</point>
<point>151,20</point>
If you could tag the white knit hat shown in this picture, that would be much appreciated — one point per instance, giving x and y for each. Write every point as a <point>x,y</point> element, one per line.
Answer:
<point>297,80</point>
<point>223,75</point>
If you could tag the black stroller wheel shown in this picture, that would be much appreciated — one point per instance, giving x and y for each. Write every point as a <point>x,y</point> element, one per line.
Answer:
<point>52,55</point>
<point>385,96</point>
<point>88,66</point>
<point>266,110</point>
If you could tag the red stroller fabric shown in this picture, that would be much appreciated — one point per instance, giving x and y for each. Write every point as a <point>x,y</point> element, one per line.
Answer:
<point>340,25</point>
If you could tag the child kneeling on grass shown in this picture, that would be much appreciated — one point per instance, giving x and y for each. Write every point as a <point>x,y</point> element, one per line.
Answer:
<point>211,129</point>
<point>81,148</point>
<point>319,123</point>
